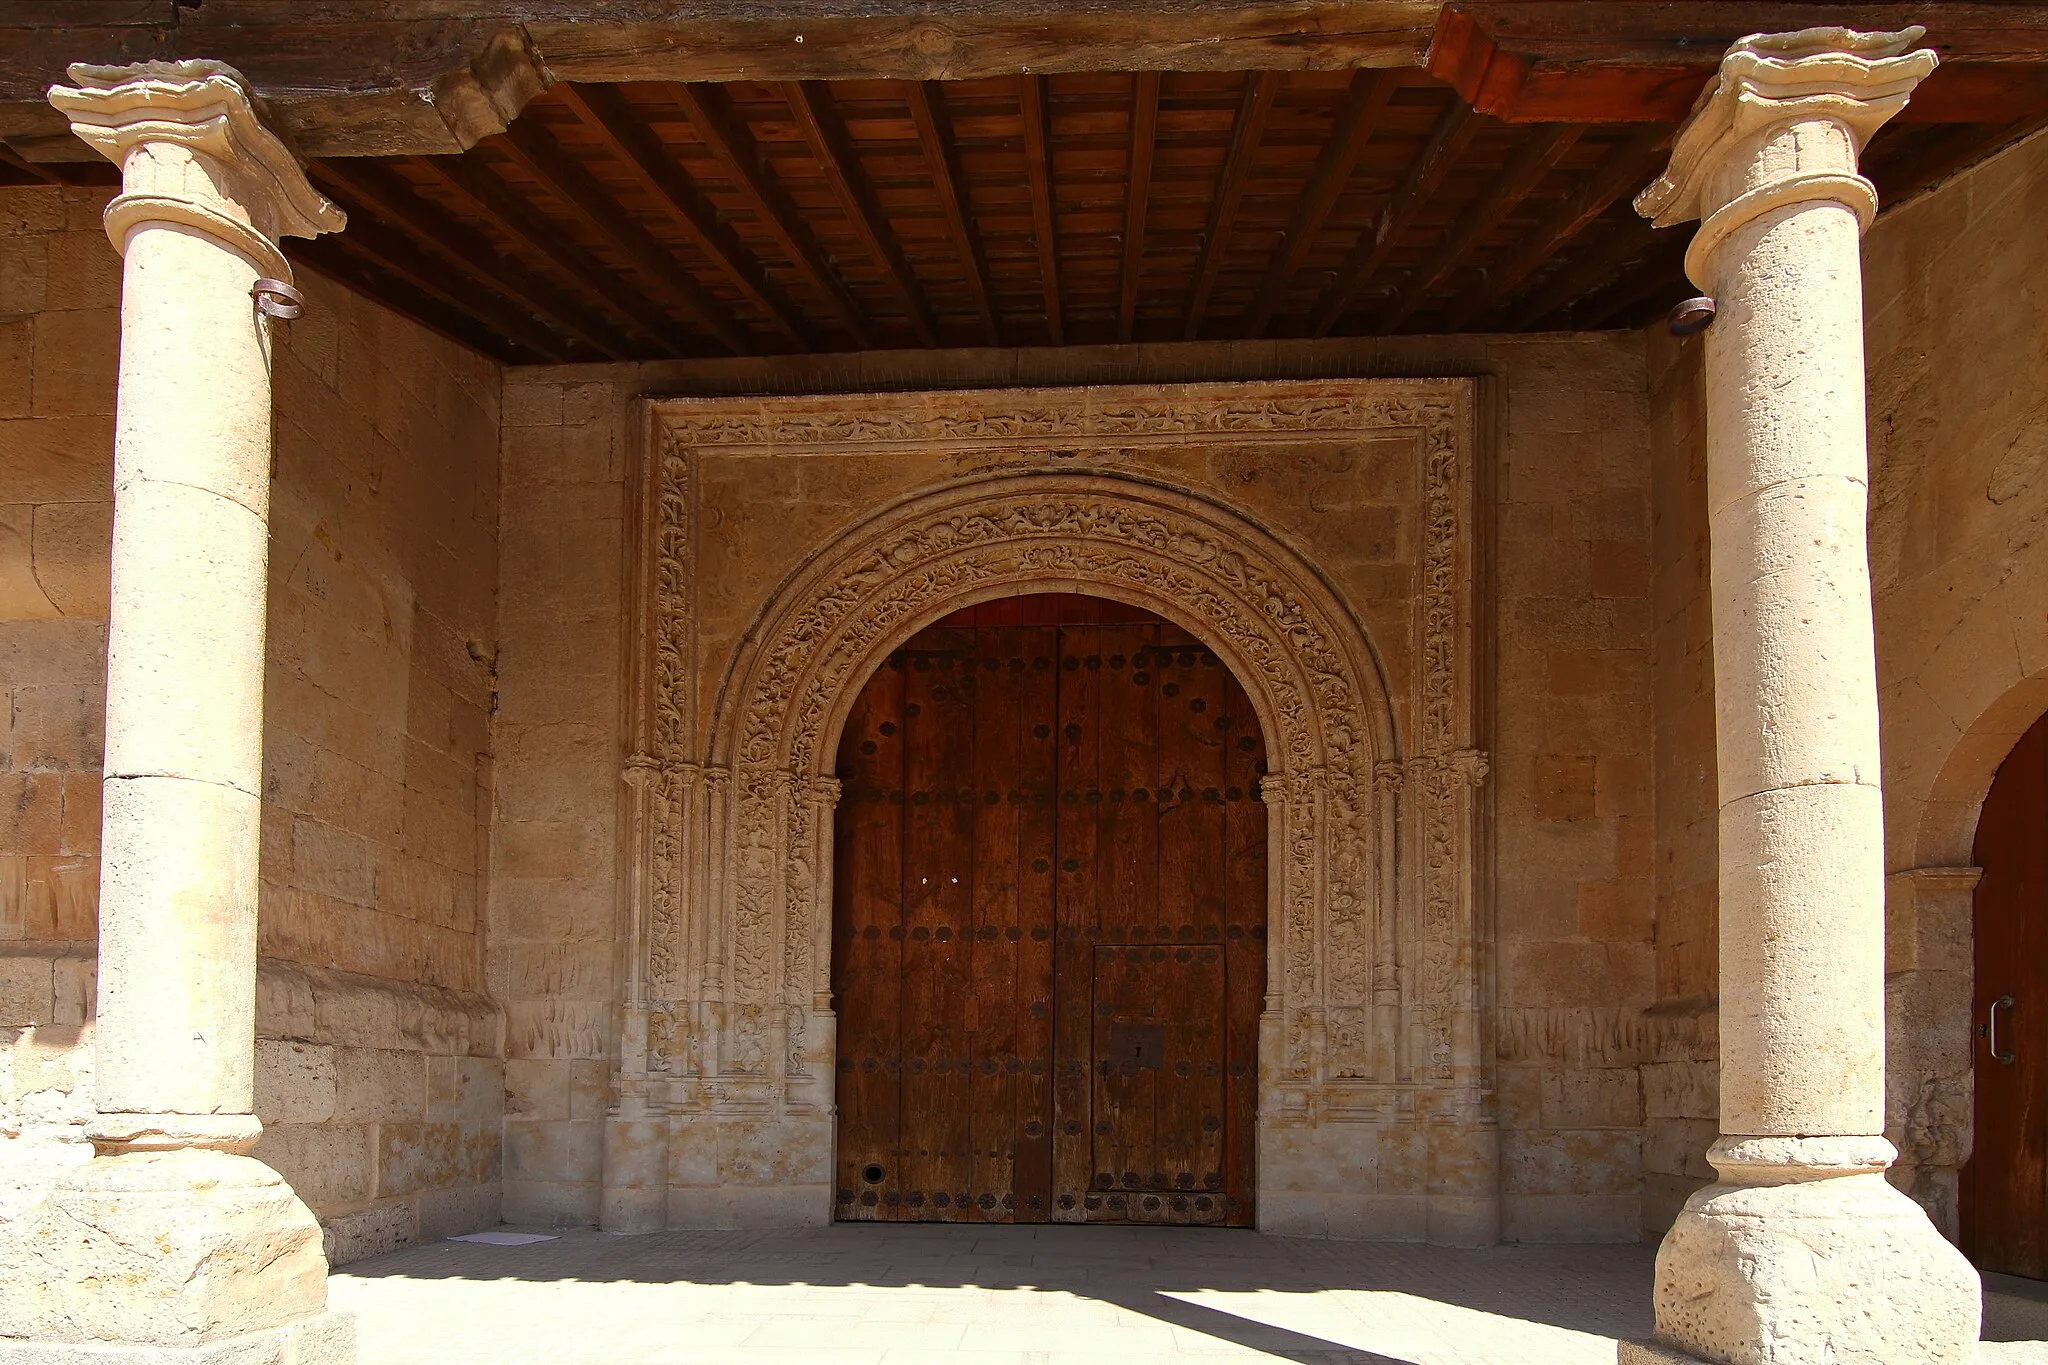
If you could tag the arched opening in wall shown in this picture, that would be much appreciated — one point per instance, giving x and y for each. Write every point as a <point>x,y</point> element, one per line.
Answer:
<point>2004,1187</point>
<point>1049,948</point>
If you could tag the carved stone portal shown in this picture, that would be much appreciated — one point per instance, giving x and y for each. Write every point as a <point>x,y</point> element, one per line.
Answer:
<point>1317,535</point>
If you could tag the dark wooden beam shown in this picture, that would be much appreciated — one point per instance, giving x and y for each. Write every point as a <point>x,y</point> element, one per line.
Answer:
<point>393,200</point>
<point>39,174</point>
<point>927,102</point>
<point>1627,169</point>
<point>1034,111</point>
<point>810,103</point>
<point>1598,265</point>
<point>431,77</point>
<point>530,148</point>
<point>1137,195</point>
<point>1540,151</point>
<point>513,215</point>
<point>1447,141</point>
<point>398,257</point>
<point>324,255</point>
<point>605,112</point>
<point>1939,153</point>
<point>731,146</point>
<point>1260,87</point>
<point>1658,274</point>
<point>1356,122</point>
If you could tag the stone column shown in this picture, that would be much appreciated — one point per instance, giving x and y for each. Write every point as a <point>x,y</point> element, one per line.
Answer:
<point>1801,1252</point>
<point>172,1241</point>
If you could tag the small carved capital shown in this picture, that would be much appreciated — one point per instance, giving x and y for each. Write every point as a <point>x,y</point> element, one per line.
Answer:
<point>639,769</point>
<point>1386,779</point>
<point>1470,766</point>
<point>824,790</point>
<point>194,151</point>
<point>1299,789</point>
<point>1783,122</point>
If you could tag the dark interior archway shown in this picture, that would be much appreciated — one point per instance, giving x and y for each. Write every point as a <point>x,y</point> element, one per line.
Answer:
<point>1049,924</point>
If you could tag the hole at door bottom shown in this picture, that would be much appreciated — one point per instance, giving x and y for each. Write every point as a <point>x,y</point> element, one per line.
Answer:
<point>872,1173</point>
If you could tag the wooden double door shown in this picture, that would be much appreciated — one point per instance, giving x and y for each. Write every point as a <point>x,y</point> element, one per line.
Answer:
<point>2004,1194</point>
<point>1049,924</point>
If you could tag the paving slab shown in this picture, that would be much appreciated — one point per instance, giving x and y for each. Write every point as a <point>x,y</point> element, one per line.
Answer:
<point>871,1294</point>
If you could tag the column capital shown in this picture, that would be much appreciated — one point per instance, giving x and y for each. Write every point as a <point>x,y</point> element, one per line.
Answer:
<point>194,151</point>
<point>1784,122</point>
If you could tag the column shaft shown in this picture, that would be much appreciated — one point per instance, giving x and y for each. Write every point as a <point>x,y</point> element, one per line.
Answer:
<point>177,975</point>
<point>1795,681</point>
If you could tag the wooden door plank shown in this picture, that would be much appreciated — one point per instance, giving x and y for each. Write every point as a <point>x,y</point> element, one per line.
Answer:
<point>1244,946</point>
<point>868,944</point>
<point>938,887</point>
<point>1037,649</point>
<point>1077,925</point>
<point>1127,889</point>
<point>996,1000</point>
<point>1192,887</point>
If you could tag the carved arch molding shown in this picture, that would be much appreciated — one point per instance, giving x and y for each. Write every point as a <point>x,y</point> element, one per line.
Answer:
<point>1373,1008</point>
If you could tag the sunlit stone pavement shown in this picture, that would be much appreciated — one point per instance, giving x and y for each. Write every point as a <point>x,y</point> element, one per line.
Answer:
<point>895,1295</point>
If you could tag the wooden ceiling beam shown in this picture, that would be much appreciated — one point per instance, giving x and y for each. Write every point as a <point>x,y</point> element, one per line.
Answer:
<point>1137,196</point>
<point>1364,103</point>
<point>1627,168</point>
<point>731,145</point>
<point>396,203</point>
<point>605,112</point>
<point>1246,130</point>
<point>1034,111</point>
<point>512,215</point>
<point>323,255</point>
<point>8,157</point>
<point>1600,263</point>
<point>396,255</point>
<point>541,157</point>
<point>1540,151</point>
<point>1659,271</point>
<point>927,101</point>
<point>431,77</point>
<point>810,103</point>
<point>1454,129</point>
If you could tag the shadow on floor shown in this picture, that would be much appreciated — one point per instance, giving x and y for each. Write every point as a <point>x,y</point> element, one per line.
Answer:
<point>2015,1309</point>
<point>1602,1290</point>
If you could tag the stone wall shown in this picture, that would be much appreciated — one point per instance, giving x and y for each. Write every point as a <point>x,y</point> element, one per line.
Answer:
<point>379,1079</point>
<point>1956,338</point>
<point>1681,1082</point>
<point>1571,742</point>
<point>1956,303</point>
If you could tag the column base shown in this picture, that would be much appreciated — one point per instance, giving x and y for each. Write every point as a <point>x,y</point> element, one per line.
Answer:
<point>328,1339</point>
<point>183,1255</point>
<point>1804,1255</point>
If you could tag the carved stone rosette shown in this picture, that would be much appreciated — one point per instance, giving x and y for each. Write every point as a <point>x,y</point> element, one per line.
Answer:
<point>1374,980</point>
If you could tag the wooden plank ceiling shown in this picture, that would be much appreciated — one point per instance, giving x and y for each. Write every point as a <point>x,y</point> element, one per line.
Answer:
<point>645,220</point>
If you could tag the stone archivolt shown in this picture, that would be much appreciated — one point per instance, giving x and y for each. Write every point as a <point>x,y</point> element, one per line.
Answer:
<point>1370,1004</point>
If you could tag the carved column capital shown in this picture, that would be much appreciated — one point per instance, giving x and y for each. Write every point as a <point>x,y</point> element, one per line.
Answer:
<point>1783,122</point>
<point>194,151</point>
<point>639,769</point>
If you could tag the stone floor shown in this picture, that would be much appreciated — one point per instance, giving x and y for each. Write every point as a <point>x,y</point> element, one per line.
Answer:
<point>897,1295</point>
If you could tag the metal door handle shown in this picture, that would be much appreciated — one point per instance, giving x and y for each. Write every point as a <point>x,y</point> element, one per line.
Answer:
<point>1991,1030</point>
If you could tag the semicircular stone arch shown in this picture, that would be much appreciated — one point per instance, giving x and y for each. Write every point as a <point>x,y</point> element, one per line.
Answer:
<point>1373,992</point>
